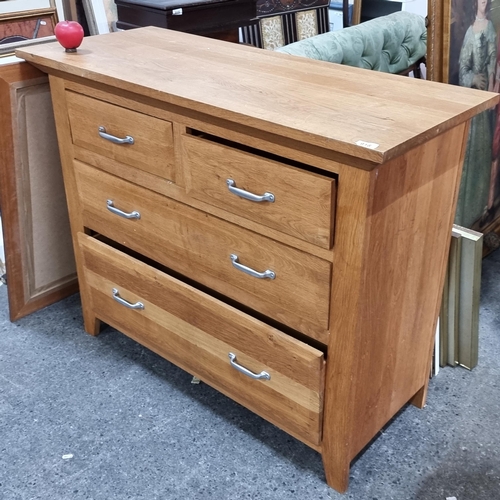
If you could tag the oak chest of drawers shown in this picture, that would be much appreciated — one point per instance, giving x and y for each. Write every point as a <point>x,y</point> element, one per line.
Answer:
<point>276,226</point>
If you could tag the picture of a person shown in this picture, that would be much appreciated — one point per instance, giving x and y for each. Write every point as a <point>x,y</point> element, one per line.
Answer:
<point>495,178</point>
<point>477,63</point>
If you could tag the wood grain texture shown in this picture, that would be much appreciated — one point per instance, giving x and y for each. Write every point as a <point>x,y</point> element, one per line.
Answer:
<point>278,93</point>
<point>354,191</point>
<point>197,332</point>
<point>92,325</point>
<point>152,150</point>
<point>383,328</point>
<point>372,300</point>
<point>39,265</point>
<point>199,246</point>
<point>304,202</point>
<point>177,192</point>
<point>325,159</point>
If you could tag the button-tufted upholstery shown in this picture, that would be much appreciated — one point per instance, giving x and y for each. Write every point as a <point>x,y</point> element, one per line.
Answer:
<point>390,44</point>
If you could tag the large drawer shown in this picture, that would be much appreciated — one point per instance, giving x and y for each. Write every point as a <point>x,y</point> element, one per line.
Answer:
<point>200,334</point>
<point>302,202</point>
<point>152,149</point>
<point>201,246</point>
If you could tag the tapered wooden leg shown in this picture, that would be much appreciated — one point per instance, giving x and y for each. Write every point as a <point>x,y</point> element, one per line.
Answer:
<point>91,324</point>
<point>336,472</point>
<point>421,397</point>
<point>57,87</point>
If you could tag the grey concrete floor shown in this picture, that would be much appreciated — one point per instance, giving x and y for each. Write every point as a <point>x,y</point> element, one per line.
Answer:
<point>104,418</point>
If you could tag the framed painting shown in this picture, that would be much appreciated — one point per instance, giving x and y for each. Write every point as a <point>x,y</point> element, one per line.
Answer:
<point>463,49</point>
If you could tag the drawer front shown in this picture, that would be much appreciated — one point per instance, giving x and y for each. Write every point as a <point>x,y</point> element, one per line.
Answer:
<point>198,333</point>
<point>303,202</point>
<point>200,246</point>
<point>152,149</point>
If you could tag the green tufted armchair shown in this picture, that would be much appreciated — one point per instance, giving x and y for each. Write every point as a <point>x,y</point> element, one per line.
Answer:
<point>396,43</point>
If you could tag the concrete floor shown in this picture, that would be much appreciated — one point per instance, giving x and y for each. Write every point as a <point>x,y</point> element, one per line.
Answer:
<point>104,418</point>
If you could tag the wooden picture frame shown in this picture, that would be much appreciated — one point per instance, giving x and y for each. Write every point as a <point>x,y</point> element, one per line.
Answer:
<point>26,29</point>
<point>28,22</point>
<point>13,8</point>
<point>458,35</point>
<point>356,12</point>
<point>37,239</point>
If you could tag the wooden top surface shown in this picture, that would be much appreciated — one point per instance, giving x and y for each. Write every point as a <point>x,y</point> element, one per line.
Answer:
<point>328,105</point>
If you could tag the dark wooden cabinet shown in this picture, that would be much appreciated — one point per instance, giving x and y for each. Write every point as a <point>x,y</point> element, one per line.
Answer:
<point>267,24</point>
<point>212,18</point>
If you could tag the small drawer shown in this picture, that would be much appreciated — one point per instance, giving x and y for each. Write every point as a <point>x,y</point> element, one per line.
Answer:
<point>279,196</point>
<point>272,374</point>
<point>124,135</point>
<point>212,251</point>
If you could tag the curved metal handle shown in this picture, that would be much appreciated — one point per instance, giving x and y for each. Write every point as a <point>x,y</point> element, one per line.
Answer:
<point>246,371</point>
<point>115,140</point>
<point>123,302</point>
<point>248,270</point>
<point>127,215</point>
<point>246,194</point>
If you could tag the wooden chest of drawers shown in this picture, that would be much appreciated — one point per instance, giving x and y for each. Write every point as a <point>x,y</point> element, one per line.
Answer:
<point>263,221</point>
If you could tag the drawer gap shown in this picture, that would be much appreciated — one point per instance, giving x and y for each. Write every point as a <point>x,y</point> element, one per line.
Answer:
<point>247,310</point>
<point>259,152</point>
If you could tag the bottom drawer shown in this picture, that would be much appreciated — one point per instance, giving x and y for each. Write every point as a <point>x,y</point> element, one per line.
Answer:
<point>269,372</point>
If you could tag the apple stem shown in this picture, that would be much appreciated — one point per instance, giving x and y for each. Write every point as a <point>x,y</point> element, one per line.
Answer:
<point>70,50</point>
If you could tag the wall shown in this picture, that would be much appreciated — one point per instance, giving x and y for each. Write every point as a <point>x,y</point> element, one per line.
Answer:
<point>416,6</point>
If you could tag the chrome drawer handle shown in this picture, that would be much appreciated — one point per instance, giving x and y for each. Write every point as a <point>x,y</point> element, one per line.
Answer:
<point>246,371</point>
<point>127,215</point>
<point>116,140</point>
<point>246,194</point>
<point>123,302</point>
<point>248,270</point>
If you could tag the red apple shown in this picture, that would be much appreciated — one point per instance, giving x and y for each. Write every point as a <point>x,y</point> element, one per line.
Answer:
<point>69,34</point>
